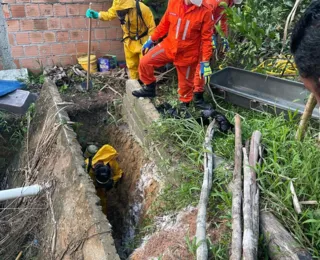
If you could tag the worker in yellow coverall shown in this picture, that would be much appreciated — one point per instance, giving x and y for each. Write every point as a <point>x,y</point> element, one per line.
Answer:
<point>104,169</point>
<point>137,24</point>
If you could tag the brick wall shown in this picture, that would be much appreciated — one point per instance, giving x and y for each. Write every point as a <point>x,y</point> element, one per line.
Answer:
<point>55,32</point>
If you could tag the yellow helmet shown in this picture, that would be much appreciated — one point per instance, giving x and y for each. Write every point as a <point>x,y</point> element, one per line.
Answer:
<point>123,4</point>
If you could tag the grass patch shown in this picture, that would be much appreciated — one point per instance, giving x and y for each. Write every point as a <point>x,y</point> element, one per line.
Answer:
<point>285,159</point>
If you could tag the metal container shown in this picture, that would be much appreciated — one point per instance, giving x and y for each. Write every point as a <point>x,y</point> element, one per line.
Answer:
<point>260,92</point>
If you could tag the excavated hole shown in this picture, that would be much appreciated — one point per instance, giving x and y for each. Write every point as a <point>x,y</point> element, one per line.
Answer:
<point>124,201</point>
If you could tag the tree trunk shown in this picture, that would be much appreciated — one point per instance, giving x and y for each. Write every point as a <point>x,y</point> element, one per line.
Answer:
<point>236,245</point>
<point>281,245</point>
<point>202,250</point>
<point>311,104</point>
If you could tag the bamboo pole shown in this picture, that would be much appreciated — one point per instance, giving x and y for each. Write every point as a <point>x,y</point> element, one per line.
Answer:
<point>311,104</point>
<point>236,244</point>
<point>202,249</point>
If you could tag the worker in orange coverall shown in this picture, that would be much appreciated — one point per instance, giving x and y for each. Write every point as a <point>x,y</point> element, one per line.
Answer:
<point>198,81</point>
<point>188,26</point>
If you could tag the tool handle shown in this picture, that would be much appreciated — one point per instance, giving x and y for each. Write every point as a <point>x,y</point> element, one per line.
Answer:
<point>89,49</point>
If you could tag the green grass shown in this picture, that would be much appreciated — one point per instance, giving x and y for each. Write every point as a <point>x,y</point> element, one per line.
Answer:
<point>285,159</point>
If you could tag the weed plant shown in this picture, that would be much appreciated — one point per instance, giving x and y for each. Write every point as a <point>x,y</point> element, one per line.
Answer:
<point>285,159</point>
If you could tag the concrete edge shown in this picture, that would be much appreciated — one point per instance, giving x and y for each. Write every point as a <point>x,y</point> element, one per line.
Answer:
<point>101,222</point>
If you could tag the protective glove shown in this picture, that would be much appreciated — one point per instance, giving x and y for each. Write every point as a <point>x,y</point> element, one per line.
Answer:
<point>214,42</point>
<point>147,46</point>
<point>92,14</point>
<point>205,71</point>
<point>225,45</point>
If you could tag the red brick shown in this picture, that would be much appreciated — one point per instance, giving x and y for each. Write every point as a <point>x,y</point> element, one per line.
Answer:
<point>5,10</point>
<point>66,23</point>
<point>62,36</point>
<point>46,10</point>
<point>94,23</point>
<point>79,22</point>
<point>97,7</point>
<point>45,50</point>
<point>116,45</point>
<point>59,10</point>
<point>99,34</point>
<point>111,33</point>
<point>13,25</point>
<point>94,46</point>
<point>17,11</point>
<point>31,51</point>
<point>104,47</point>
<point>11,39</point>
<point>49,36</point>
<point>119,34</point>
<point>53,23</point>
<point>36,37</point>
<point>17,51</point>
<point>17,62</point>
<point>40,24</point>
<point>32,10</point>
<point>31,64</point>
<point>74,59</point>
<point>73,9</point>
<point>65,60</point>
<point>83,9</point>
<point>70,48</point>
<point>82,48</point>
<point>22,38</point>
<point>24,1</point>
<point>57,49</point>
<point>26,25</point>
<point>54,60</point>
<point>8,1</point>
<point>76,35</point>
<point>85,35</point>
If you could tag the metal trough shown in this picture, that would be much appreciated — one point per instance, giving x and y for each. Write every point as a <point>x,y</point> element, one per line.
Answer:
<point>260,92</point>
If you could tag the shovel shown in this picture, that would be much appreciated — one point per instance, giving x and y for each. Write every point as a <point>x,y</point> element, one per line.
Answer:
<point>88,84</point>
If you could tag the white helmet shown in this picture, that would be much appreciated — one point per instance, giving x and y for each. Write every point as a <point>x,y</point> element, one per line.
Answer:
<point>196,2</point>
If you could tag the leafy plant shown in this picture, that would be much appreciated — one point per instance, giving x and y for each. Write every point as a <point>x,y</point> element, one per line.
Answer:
<point>257,30</point>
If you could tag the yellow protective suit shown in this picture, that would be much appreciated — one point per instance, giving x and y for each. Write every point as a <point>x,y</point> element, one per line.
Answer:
<point>132,47</point>
<point>106,154</point>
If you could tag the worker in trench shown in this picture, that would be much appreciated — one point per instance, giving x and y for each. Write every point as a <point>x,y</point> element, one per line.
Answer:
<point>305,42</point>
<point>103,168</point>
<point>137,23</point>
<point>188,26</point>
<point>219,18</point>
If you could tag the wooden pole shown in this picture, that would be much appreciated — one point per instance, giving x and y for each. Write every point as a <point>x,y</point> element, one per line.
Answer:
<point>202,249</point>
<point>281,245</point>
<point>236,244</point>
<point>89,50</point>
<point>251,200</point>
<point>311,104</point>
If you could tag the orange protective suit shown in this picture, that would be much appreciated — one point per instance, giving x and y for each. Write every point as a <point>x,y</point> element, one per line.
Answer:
<point>217,10</point>
<point>186,31</point>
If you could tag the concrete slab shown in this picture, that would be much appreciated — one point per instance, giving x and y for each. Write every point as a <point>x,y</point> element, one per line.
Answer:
<point>17,102</point>
<point>15,74</point>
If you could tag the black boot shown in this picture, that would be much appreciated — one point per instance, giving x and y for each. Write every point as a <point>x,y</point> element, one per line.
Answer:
<point>199,101</point>
<point>181,111</point>
<point>146,91</point>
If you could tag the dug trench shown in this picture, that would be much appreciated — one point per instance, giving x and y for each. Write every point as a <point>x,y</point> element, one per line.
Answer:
<point>97,121</point>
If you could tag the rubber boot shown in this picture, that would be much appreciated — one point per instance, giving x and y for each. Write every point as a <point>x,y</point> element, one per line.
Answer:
<point>146,91</point>
<point>199,101</point>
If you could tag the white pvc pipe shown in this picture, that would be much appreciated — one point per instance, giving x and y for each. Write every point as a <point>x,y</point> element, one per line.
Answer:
<point>20,192</point>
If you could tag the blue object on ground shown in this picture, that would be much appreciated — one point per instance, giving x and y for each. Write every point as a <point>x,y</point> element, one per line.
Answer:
<point>8,86</point>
